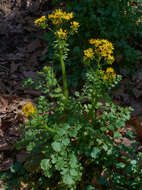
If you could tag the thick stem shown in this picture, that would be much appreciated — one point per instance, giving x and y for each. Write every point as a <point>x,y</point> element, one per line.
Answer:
<point>64,75</point>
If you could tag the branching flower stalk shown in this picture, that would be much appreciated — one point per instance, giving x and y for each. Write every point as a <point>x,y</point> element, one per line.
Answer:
<point>100,52</point>
<point>58,18</point>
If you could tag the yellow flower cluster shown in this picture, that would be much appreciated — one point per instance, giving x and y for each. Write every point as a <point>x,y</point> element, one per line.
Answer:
<point>110,70</point>
<point>62,34</point>
<point>109,74</point>
<point>28,109</point>
<point>103,48</point>
<point>74,25</point>
<point>88,53</point>
<point>57,16</point>
<point>40,20</point>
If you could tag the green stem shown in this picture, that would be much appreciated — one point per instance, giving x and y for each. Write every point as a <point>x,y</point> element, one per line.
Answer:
<point>64,75</point>
<point>98,62</point>
<point>49,129</point>
<point>92,111</point>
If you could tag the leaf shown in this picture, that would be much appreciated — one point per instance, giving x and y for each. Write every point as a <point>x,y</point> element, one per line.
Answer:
<point>16,167</point>
<point>133,162</point>
<point>76,94</point>
<point>117,134</point>
<point>120,165</point>
<point>30,146</point>
<point>73,161</point>
<point>90,187</point>
<point>45,164</point>
<point>60,163</point>
<point>65,141</point>
<point>103,129</point>
<point>56,146</point>
<point>73,172</point>
<point>58,90</point>
<point>61,132</point>
<point>67,179</point>
<point>105,147</point>
<point>95,152</point>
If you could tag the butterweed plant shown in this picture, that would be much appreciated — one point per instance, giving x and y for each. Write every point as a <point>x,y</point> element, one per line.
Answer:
<point>59,20</point>
<point>71,140</point>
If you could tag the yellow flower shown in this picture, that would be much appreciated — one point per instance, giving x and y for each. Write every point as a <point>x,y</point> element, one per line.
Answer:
<point>28,109</point>
<point>56,13</point>
<point>110,70</point>
<point>110,74</point>
<point>62,34</point>
<point>57,16</point>
<point>101,72</point>
<point>113,76</point>
<point>95,42</point>
<point>43,18</point>
<point>103,48</point>
<point>67,16</point>
<point>110,58</point>
<point>89,53</point>
<point>75,24</point>
<point>105,77</point>
<point>91,41</point>
<point>40,20</point>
